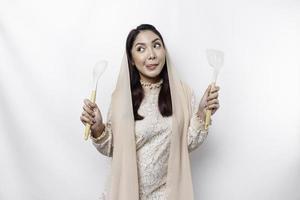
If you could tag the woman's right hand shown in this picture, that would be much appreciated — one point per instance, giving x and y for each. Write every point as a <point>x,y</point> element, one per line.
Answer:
<point>92,115</point>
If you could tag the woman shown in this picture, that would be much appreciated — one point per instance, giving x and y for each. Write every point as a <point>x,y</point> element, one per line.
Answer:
<point>153,123</point>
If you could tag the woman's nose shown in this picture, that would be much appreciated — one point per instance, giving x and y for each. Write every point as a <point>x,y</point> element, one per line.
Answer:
<point>152,54</point>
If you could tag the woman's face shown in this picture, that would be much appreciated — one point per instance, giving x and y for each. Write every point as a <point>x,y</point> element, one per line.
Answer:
<point>148,55</point>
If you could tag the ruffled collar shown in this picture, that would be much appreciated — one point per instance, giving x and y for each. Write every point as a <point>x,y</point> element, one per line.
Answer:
<point>151,85</point>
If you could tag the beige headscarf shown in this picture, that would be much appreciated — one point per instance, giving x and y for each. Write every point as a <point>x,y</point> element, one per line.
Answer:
<point>124,173</point>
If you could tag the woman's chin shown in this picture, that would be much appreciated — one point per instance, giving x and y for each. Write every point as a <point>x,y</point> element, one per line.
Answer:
<point>152,74</point>
<point>153,70</point>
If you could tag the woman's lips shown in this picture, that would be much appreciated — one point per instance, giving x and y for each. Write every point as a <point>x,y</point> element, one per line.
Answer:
<point>151,66</point>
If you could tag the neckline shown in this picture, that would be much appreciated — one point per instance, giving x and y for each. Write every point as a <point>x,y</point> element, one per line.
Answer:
<point>151,85</point>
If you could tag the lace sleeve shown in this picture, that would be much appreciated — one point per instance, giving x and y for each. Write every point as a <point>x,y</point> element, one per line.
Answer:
<point>104,143</point>
<point>196,130</point>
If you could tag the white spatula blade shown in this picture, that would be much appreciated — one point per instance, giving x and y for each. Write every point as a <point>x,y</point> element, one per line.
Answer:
<point>98,70</point>
<point>215,58</point>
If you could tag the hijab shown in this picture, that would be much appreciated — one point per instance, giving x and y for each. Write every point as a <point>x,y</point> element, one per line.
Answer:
<point>124,172</point>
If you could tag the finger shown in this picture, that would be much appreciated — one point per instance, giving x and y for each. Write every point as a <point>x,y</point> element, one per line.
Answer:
<point>89,103</point>
<point>84,113</point>
<point>85,120</point>
<point>215,89</point>
<point>88,110</point>
<point>82,119</point>
<point>212,96</point>
<point>215,109</point>
<point>213,106</point>
<point>213,101</point>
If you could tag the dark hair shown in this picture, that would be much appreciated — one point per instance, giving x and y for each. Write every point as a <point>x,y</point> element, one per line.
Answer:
<point>137,92</point>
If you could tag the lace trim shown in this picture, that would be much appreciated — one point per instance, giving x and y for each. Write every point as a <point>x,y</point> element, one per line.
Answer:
<point>151,85</point>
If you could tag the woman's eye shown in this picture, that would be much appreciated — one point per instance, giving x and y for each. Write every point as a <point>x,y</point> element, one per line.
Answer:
<point>140,49</point>
<point>157,45</point>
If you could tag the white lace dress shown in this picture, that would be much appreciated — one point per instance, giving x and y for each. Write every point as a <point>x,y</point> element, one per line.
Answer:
<point>152,143</point>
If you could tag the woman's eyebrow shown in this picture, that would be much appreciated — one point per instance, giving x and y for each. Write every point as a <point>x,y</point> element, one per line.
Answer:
<point>155,40</point>
<point>140,43</point>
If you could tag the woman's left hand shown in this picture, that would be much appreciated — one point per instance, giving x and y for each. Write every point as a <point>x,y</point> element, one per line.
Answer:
<point>209,101</point>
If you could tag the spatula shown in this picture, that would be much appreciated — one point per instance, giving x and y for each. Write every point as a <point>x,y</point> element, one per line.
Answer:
<point>215,59</point>
<point>98,70</point>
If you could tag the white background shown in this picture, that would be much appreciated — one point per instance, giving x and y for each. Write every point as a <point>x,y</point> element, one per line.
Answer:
<point>48,49</point>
